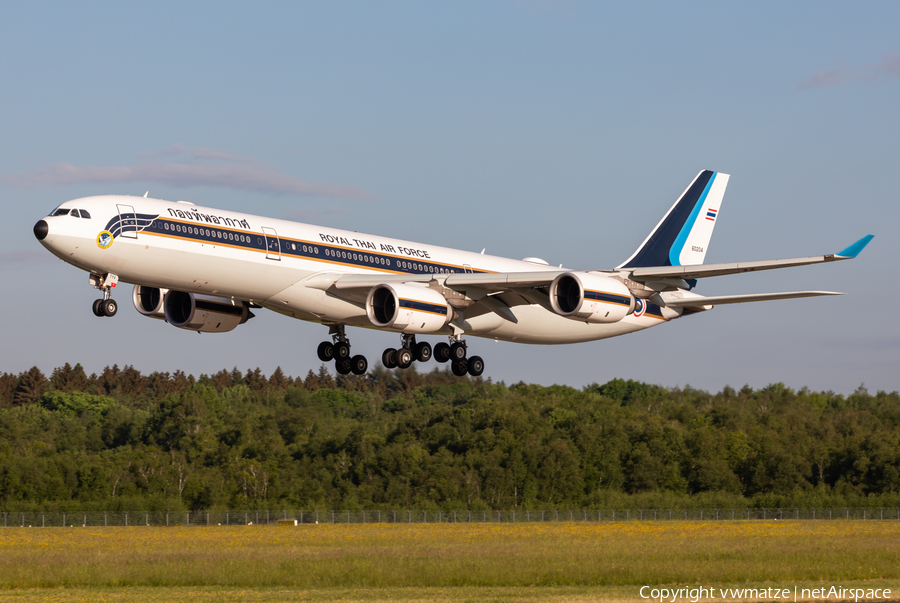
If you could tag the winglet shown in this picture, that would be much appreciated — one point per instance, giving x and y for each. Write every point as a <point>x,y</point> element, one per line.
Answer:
<point>853,250</point>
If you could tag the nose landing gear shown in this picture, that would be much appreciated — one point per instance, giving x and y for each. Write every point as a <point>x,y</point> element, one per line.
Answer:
<point>339,351</point>
<point>106,306</point>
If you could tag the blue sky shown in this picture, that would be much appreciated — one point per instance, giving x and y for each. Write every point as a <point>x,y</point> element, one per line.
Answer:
<point>562,130</point>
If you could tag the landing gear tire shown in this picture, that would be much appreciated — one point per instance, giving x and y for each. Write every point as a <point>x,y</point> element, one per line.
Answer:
<point>359,365</point>
<point>442,352</point>
<point>475,366</point>
<point>325,351</point>
<point>389,358</point>
<point>458,351</point>
<point>459,368</point>
<point>341,350</point>
<point>95,308</point>
<point>342,367</point>
<point>404,358</point>
<point>423,351</point>
<point>109,307</point>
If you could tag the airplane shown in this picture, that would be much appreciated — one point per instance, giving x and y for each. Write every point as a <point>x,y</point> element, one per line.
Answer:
<point>204,269</point>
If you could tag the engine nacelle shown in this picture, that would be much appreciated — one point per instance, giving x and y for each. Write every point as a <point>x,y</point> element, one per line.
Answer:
<point>407,308</point>
<point>204,313</point>
<point>149,301</point>
<point>590,298</point>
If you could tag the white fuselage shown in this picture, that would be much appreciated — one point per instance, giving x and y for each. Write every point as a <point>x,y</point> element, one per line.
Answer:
<point>275,263</point>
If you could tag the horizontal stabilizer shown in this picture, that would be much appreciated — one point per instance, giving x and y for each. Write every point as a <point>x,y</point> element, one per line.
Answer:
<point>698,302</point>
<point>706,270</point>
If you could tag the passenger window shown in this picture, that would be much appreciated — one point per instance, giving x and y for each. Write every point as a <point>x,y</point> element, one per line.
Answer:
<point>85,214</point>
<point>61,212</point>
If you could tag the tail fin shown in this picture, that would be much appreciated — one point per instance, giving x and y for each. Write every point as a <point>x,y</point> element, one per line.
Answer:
<point>682,236</point>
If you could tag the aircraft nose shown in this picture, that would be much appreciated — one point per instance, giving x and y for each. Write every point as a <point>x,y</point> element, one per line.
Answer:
<point>41,229</point>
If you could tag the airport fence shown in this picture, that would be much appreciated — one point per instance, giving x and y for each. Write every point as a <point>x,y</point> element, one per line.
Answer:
<point>297,517</point>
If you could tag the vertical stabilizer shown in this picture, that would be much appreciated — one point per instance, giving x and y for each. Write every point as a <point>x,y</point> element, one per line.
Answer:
<point>682,237</point>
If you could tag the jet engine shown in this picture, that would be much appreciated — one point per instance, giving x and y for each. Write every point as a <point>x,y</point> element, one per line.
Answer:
<point>149,301</point>
<point>590,298</point>
<point>204,313</point>
<point>407,308</point>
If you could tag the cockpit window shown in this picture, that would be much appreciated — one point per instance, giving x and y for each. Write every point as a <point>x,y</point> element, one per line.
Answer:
<point>75,214</point>
<point>85,214</point>
<point>61,212</point>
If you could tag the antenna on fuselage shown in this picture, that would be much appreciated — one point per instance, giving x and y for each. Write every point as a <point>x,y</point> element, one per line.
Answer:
<point>145,194</point>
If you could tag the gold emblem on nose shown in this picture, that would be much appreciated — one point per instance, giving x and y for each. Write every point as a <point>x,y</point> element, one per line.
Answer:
<point>104,239</point>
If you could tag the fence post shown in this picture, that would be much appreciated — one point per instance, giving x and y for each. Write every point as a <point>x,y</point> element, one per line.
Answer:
<point>104,519</point>
<point>470,517</point>
<point>187,518</point>
<point>498,516</point>
<point>829,512</point>
<point>701,514</point>
<point>126,519</point>
<point>409,513</point>
<point>42,520</point>
<point>207,517</point>
<point>364,516</point>
<point>64,519</point>
<point>167,519</point>
<point>717,514</point>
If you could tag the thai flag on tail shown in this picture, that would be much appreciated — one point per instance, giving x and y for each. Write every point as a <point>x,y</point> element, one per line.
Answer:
<point>711,214</point>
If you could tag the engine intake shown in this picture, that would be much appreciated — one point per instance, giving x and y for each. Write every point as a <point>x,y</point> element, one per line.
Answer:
<point>204,313</point>
<point>590,298</point>
<point>149,301</point>
<point>407,308</point>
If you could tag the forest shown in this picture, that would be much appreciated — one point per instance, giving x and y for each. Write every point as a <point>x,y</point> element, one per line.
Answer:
<point>121,440</point>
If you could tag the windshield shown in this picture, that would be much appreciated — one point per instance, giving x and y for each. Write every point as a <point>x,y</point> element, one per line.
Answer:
<point>61,212</point>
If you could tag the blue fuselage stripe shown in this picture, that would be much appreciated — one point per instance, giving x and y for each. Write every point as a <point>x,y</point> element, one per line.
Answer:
<point>294,248</point>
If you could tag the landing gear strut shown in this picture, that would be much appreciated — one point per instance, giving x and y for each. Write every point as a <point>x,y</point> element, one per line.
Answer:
<point>106,306</point>
<point>338,349</point>
<point>456,352</point>
<point>409,351</point>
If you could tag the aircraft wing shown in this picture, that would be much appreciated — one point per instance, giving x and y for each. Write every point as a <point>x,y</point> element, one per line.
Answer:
<point>717,300</point>
<point>491,281</point>
<point>705,270</point>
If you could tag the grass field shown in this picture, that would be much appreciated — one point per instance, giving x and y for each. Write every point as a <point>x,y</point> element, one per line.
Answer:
<point>420,562</point>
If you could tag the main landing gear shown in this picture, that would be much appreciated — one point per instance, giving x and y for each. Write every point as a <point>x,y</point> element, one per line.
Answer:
<point>106,306</point>
<point>339,351</point>
<point>456,352</point>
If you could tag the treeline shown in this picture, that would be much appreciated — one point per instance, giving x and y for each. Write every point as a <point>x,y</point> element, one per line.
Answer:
<point>122,441</point>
